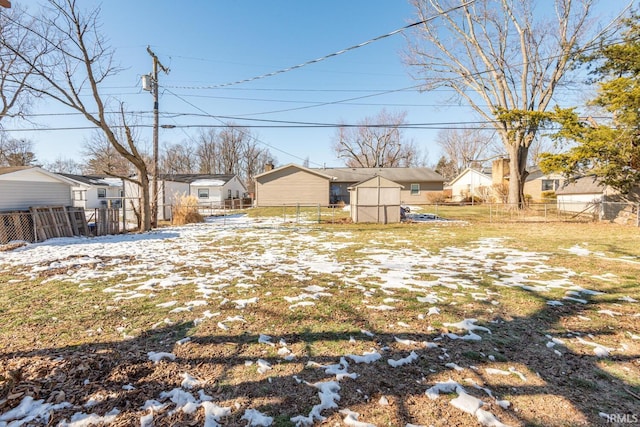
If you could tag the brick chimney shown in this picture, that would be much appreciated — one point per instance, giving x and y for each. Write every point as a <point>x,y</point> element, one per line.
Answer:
<point>499,170</point>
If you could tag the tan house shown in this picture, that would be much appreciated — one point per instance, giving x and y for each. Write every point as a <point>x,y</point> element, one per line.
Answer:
<point>376,200</point>
<point>293,184</point>
<point>538,185</point>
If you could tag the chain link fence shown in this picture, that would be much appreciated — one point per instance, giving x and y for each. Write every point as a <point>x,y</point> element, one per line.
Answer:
<point>42,223</point>
<point>16,226</point>
<point>615,212</point>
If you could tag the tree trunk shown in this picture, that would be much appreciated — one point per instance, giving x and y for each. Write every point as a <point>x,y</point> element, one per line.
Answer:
<point>517,174</point>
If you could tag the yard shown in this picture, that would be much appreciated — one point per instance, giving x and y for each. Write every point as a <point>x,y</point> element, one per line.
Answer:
<point>256,320</point>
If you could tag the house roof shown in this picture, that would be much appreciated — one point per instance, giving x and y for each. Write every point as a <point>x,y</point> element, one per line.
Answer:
<point>584,185</point>
<point>190,178</point>
<point>472,171</point>
<point>10,169</point>
<point>97,180</point>
<point>356,175</point>
<point>14,169</point>
<point>537,173</point>
<point>293,165</point>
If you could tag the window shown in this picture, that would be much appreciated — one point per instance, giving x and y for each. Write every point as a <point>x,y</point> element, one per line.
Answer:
<point>549,184</point>
<point>237,194</point>
<point>415,189</point>
<point>79,195</point>
<point>203,193</point>
<point>229,194</point>
<point>102,193</point>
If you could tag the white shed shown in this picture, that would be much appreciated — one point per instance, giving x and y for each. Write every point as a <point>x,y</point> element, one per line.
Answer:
<point>22,187</point>
<point>376,200</point>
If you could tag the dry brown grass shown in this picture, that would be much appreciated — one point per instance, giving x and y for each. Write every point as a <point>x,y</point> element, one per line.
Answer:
<point>186,211</point>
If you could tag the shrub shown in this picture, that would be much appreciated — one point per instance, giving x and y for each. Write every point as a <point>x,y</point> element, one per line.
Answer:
<point>185,211</point>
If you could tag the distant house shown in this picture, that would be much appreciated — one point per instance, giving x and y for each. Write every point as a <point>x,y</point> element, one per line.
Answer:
<point>537,185</point>
<point>582,194</point>
<point>588,195</point>
<point>470,182</point>
<point>489,185</point>
<point>293,184</point>
<point>211,190</point>
<point>93,192</point>
<point>28,186</point>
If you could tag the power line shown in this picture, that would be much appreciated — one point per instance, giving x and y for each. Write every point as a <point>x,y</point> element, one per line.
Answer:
<point>340,52</point>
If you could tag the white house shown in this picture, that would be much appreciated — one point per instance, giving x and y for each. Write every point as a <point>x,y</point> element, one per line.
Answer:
<point>211,191</point>
<point>92,192</point>
<point>22,187</point>
<point>470,182</point>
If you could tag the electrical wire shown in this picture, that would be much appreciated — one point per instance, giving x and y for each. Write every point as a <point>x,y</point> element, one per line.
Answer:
<point>340,52</point>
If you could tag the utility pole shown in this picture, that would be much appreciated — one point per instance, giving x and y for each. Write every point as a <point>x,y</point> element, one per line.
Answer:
<point>153,87</point>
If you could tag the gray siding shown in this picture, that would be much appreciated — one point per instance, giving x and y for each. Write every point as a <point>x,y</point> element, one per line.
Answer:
<point>290,186</point>
<point>20,195</point>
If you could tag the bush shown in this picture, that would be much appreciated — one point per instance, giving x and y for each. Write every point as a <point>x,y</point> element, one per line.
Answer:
<point>186,211</point>
<point>437,197</point>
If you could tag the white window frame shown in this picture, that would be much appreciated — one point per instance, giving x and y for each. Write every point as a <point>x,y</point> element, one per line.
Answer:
<point>415,191</point>
<point>203,193</point>
<point>102,193</point>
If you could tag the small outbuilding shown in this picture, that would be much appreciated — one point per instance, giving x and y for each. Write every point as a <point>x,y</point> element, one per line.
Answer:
<point>376,200</point>
<point>22,187</point>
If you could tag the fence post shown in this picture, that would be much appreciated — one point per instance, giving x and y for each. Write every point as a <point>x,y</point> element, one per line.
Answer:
<point>319,213</point>
<point>638,215</point>
<point>297,213</point>
<point>284,215</point>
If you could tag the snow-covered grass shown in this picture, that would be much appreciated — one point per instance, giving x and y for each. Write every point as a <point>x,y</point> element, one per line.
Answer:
<point>249,321</point>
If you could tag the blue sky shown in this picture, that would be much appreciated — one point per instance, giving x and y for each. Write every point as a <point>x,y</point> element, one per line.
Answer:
<point>213,43</point>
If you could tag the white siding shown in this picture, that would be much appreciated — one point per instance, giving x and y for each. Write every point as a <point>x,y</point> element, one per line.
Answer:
<point>578,202</point>
<point>19,195</point>
<point>468,183</point>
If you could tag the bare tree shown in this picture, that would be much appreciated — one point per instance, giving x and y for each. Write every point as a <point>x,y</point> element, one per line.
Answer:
<point>376,142</point>
<point>16,152</point>
<point>15,96</point>
<point>254,157</point>
<point>231,142</point>
<point>464,147</point>
<point>505,60</point>
<point>64,165</point>
<point>207,152</point>
<point>102,158</point>
<point>179,158</point>
<point>78,60</point>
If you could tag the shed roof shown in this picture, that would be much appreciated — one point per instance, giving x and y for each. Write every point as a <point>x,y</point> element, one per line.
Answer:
<point>11,169</point>
<point>37,169</point>
<point>380,181</point>
<point>584,185</point>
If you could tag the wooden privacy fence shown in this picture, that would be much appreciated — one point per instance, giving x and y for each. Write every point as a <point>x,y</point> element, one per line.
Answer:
<point>46,222</point>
